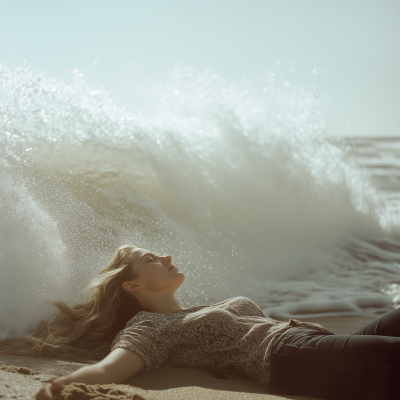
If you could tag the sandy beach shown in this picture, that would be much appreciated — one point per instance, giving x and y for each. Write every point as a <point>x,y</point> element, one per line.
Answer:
<point>161,157</point>
<point>21,377</point>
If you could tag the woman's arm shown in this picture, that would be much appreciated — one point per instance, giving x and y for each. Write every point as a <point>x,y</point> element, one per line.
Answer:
<point>120,365</point>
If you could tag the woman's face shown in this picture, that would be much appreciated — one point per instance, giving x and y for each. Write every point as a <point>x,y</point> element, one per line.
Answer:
<point>155,273</point>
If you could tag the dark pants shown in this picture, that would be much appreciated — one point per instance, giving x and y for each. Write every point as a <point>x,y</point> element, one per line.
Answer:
<point>364,365</point>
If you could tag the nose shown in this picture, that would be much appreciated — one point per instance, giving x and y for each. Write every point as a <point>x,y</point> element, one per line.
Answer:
<point>168,259</point>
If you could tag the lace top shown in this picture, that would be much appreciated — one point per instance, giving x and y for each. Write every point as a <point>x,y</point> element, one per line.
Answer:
<point>232,339</point>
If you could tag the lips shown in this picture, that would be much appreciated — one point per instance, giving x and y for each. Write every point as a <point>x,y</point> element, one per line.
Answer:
<point>172,266</point>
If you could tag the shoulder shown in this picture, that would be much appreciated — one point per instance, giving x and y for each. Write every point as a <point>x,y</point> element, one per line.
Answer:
<point>146,318</point>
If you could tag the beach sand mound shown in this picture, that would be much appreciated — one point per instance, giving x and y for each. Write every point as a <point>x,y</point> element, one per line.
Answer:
<point>17,370</point>
<point>81,391</point>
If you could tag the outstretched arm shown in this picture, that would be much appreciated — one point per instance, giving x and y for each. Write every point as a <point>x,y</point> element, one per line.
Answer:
<point>117,367</point>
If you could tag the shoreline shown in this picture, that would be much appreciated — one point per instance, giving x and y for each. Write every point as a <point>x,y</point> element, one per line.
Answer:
<point>166,383</point>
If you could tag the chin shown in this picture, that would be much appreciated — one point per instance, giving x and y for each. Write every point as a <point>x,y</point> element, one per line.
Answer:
<point>182,275</point>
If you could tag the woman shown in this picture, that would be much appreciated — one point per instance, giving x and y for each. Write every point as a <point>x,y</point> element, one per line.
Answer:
<point>134,306</point>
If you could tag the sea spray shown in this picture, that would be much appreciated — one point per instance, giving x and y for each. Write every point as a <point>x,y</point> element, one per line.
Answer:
<point>239,181</point>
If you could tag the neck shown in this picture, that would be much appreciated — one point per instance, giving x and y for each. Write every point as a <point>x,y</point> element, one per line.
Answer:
<point>160,303</point>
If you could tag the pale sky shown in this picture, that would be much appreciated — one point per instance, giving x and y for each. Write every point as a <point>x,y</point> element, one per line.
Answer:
<point>354,45</point>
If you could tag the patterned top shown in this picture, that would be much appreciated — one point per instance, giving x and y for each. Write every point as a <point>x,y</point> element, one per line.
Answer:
<point>232,339</point>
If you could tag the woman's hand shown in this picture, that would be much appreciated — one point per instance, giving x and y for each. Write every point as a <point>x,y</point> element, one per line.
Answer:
<point>46,392</point>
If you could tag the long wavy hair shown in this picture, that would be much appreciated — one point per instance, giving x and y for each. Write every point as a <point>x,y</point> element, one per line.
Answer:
<point>84,333</point>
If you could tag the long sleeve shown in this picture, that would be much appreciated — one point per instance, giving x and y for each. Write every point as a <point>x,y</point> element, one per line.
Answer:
<point>151,338</point>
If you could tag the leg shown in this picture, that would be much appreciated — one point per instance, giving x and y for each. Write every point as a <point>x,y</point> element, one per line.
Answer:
<point>387,325</point>
<point>363,367</point>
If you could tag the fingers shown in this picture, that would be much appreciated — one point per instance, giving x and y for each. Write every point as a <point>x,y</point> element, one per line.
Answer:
<point>49,395</point>
<point>45,392</point>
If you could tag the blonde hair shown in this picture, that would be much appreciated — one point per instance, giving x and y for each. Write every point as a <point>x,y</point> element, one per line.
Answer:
<point>85,332</point>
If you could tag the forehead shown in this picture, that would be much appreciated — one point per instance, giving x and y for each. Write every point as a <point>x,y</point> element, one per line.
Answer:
<point>138,253</point>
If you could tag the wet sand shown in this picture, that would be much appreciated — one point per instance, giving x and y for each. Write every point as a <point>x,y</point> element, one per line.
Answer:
<point>166,383</point>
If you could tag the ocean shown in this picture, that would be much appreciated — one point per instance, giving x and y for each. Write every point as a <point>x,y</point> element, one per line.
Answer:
<point>243,183</point>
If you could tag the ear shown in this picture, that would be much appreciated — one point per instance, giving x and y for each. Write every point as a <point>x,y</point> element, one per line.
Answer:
<point>131,287</point>
<point>136,288</point>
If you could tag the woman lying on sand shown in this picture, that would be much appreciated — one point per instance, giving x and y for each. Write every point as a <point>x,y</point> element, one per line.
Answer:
<point>135,322</point>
